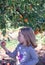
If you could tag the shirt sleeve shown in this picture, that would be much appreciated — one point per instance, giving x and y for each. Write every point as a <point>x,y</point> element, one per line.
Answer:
<point>34,60</point>
<point>12,54</point>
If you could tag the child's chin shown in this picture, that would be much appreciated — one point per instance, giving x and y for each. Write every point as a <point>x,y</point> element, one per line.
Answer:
<point>21,43</point>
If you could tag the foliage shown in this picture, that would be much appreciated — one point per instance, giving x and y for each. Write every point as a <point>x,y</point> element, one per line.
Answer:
<point>15,13</point>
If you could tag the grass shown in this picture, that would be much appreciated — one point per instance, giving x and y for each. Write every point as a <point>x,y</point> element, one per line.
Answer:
<point>40,39</point>
<point>11,45</point>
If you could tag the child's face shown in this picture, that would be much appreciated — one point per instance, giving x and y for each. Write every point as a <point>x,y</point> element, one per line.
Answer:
<point>21,38</point>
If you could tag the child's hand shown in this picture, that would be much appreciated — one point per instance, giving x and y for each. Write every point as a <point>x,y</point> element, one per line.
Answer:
<point>3,44</point>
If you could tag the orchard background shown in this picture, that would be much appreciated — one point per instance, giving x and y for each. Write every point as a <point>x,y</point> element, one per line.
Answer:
<point>15,14</point>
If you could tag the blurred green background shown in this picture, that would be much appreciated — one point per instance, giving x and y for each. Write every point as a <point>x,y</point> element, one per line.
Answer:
<point>18,13</point>
<point>15,13</point>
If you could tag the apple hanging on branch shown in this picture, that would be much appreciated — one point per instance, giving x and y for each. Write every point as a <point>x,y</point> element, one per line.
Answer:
<point>26,20</point>
<point>21,16</point>
<point>31,6</point>
<point>3,43</point>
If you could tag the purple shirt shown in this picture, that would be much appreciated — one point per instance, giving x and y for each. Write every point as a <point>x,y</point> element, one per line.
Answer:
<point>24,55</point>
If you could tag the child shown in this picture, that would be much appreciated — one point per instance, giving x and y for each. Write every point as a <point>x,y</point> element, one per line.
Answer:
<point>24,53</point>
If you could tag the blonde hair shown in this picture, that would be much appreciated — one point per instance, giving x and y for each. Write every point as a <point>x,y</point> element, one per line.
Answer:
<point>29,36</point>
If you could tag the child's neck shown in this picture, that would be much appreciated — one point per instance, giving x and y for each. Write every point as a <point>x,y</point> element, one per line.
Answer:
<point>24,43</point>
